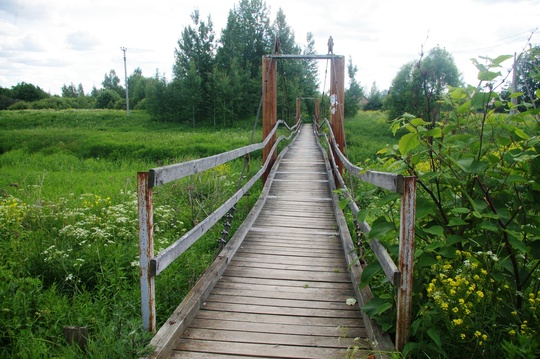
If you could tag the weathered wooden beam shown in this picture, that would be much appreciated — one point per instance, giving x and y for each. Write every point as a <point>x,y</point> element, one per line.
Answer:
<point>269,107</point>
<point>146,250</point>
<point>305,57</point>
<point>406,262</point>
<point>337,101</point>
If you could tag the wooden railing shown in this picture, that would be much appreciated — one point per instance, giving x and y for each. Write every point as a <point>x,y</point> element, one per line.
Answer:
<point>152,265</point>
<point>402,276</point>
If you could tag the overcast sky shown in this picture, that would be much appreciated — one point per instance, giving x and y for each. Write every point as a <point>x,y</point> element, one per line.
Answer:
<point>53,42</point>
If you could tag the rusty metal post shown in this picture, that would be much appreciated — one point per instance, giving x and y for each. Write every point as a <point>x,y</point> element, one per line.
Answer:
<point>406,262</point>
<point>146,250</point>
<point>337,100</point>
<point>269,107</point>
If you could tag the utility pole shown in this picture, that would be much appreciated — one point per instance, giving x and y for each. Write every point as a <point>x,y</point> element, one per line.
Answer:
<point>126,80</point>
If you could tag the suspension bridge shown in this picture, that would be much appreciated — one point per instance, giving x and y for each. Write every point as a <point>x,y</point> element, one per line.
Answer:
<point>287,283</point>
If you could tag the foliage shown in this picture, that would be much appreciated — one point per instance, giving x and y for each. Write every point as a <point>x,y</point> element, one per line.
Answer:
<point>194,64</point>
<point>27,92</point>
<point>478,216</point>
<point>72,91</point>
<point>107,98</point>
<point>529,75</point>
<point>418,86</point>
<point>375,99</point>
<point>112,82</point>
<point>68,225</point>
<point>354,93</point>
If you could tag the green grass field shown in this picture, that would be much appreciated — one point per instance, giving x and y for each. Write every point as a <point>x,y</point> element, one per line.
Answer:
<point>68,224</point>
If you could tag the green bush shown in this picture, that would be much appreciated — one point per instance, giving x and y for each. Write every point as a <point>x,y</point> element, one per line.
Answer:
<point>477,283</point>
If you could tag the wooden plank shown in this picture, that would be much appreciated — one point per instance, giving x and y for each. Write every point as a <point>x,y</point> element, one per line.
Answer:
<point>279,319</point>
<point>303,266</point>
<point>272,251</point>
<point>288,275</point>
<point>286,282</point>
<point>289,249</point>
<point>258,350</point>
<point>280,302</point>
<point>279,328</point>
<point>276,292</point>
<point>282,259</point>
<point>231,336</point>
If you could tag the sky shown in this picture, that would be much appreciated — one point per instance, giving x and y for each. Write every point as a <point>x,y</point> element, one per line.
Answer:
<point>50,43</point>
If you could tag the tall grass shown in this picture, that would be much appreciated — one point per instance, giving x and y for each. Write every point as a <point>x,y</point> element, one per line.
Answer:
<point>68,226</point>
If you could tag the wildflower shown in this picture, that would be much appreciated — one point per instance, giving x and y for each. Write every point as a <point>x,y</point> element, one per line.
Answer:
<point>461,301</point>
<point>484,337</point>
<point>458,321</point>
<point>512,332</point>
<point>463,336</point>
<point>477,334</point>
<point>455,309</point>
<point>484,272</point>
<point>480,294</point>
<point>514,312</point>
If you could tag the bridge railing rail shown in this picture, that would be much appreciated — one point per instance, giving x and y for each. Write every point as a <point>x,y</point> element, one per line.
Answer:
<point>152,265</point>
<point>401,275</point>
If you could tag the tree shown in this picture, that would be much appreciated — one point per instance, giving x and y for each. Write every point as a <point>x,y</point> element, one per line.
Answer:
<point>419,85</point>
<point>308,80</point>
<point>107,98</point>
<point>137,87</point>
<point>375,98</point>
<point>71,91</point>
<point>528,69</point>
<point>197,47</point>
<point>245,39</point>
<point>111,82</point>
<point>27,92</point>
<point>354,93</point>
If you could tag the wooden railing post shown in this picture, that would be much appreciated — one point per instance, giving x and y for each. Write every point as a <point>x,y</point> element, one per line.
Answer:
<point>269,108</point>
<point>406,262</point>
<point>337,99</point>
<point>146,250</point>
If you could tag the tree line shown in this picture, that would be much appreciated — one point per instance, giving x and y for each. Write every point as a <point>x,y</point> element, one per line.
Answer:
<point>217,78</point>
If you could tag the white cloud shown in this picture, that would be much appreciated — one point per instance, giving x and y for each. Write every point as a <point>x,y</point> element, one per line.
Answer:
<point>53,42</point>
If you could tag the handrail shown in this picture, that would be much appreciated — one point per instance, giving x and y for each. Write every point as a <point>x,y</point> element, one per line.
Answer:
<point>150,265</point>
<point>406,186</point>
<point>162,175</point>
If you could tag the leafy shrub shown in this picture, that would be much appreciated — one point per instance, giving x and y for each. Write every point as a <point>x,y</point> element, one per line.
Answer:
<point>478,224</point>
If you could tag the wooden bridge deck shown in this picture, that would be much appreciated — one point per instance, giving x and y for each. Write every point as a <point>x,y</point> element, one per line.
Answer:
<point>284,293</point>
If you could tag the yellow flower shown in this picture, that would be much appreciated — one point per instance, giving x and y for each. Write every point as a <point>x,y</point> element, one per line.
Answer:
<point>461,301</point>
<point>477,334</point>
<point>457,321</point>
<point>484,336</point>
<point>514,312</point>
<point>467,311</point>
<point>480,294</point>
<point>463,336</point>
<point>512,332</point>
<point>484,272</point>
<point>455,310</point>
